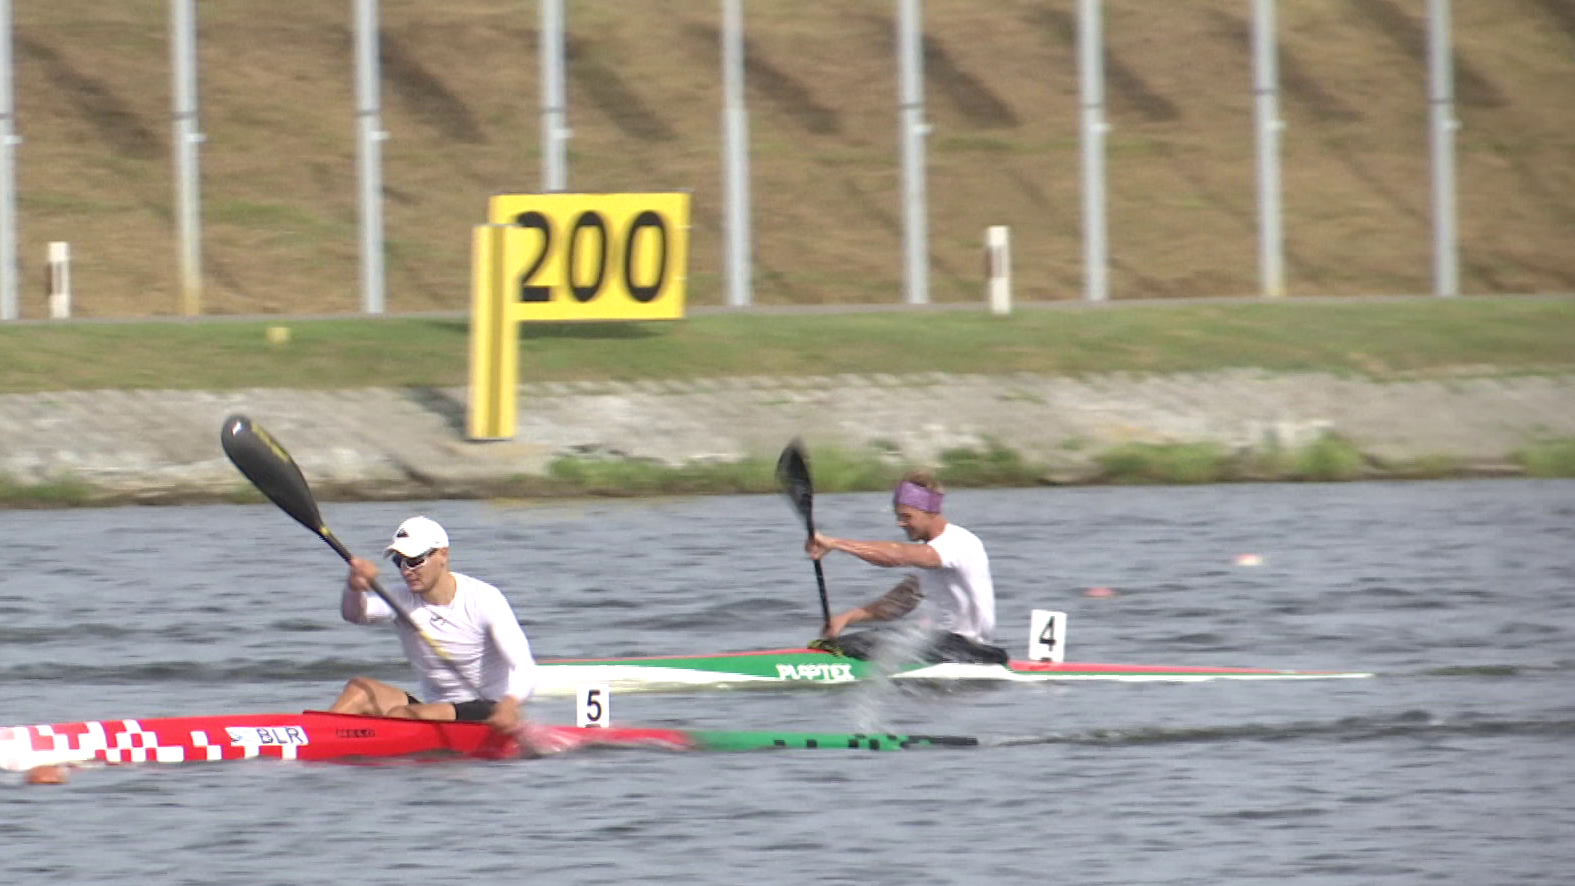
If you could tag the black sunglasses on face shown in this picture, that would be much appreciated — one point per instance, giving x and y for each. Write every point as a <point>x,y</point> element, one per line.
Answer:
<point>403,562</point>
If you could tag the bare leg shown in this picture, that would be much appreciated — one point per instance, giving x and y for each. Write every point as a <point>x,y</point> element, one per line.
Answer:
<point>441,710</point>
<point>363,695</point>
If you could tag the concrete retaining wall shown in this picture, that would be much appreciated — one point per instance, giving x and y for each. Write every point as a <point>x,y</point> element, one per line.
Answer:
<point>147,445</point>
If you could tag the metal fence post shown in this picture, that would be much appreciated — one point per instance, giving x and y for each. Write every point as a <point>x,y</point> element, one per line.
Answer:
<point>188,208</point>
<point>1091,80</point>
<point>1271,238</point>
<point>554,133</point>
<point>735,158</point>
<point>9,269</point>
<point>1441,113</point>
<point>910,105</point>
<point>369,157</point>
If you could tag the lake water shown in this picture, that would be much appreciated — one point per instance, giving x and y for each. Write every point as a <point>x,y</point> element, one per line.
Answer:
<point>1456,764</point>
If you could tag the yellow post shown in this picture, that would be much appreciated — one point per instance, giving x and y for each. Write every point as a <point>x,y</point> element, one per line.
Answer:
<point>494,367</point>
<point>554,258</point>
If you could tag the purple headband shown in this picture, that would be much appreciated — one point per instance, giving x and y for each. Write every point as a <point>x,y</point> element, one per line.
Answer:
<point>912,495</point>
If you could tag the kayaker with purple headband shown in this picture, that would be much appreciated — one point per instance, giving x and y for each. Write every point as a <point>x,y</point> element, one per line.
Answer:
<point>954,588</point>
<point>913,495</point>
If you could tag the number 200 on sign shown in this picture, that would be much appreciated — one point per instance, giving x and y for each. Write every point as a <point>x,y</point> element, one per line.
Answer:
<point>597,256</point>
<point>587,247</point>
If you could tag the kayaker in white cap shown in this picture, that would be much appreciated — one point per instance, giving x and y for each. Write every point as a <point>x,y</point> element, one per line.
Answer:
<point>467,618</point>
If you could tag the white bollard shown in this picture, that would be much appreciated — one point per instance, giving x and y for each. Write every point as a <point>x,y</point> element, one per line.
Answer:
<point>59,280</point>
<point>998,268</point>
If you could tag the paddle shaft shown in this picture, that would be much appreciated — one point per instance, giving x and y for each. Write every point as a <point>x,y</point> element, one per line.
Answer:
<point>820,575</point>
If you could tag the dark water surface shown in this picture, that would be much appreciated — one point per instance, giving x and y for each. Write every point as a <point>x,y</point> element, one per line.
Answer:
<point>1455,765</point>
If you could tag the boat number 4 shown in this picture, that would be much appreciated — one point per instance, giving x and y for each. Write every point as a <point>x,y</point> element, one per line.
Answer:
<point>1047,635</point>
<point>826,673</point>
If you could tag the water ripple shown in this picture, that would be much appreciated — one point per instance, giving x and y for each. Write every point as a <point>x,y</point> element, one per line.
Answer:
<point>1450,766</point>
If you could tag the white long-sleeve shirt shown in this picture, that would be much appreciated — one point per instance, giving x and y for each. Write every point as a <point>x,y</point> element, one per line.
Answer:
<point>477,629</point>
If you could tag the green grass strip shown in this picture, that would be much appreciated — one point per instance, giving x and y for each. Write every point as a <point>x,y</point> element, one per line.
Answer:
<point>1376,339</point>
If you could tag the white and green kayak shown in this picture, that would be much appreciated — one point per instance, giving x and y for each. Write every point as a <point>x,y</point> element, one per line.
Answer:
<point>797,668</point>
<point>803,667</point>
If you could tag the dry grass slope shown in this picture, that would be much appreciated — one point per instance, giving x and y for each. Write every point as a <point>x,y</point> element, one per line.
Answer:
<point>460,87</point>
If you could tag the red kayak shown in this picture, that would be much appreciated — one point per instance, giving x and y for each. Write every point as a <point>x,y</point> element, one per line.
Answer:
<point>320,735</point>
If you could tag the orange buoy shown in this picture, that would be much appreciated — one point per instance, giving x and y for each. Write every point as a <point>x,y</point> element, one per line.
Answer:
<point>1099,592</point>
<point>46,775</point>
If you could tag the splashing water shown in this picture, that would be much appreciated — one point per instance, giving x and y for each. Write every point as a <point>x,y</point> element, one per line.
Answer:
<point>899,645</point>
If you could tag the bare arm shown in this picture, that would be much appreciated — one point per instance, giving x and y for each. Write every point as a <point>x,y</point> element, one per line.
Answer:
<point>876,553</point>
<point>895,603</point>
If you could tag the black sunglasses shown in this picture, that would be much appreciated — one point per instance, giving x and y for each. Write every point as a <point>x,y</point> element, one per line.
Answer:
<point>403,562</point>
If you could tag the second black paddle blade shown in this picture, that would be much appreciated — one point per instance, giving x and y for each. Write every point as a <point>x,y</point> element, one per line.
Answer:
<point>270,468</point>
<point>793,476</point>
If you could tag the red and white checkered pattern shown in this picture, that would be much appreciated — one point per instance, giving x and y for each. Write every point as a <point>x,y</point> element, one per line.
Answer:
<point>109,741</point>
<point>116,742</point>
<point>307,735</point>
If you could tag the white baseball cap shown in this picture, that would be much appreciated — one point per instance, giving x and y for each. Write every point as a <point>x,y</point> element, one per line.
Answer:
<point>416,536</point>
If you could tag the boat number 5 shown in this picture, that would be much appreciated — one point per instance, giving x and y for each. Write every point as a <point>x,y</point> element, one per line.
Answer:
<point>593,705</point>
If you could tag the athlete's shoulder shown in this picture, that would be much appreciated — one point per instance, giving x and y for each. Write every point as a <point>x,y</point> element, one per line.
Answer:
<point>483,593</point>
<point>469,584</point>
<point>962,530</point>
<point>958,541</point>
<point>954,534</point>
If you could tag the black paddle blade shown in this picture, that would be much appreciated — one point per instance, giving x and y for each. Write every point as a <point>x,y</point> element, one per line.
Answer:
<point>793,477</point>
<point>271,469</point>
